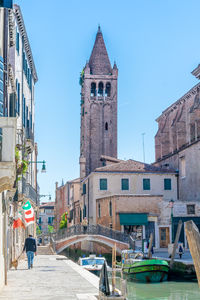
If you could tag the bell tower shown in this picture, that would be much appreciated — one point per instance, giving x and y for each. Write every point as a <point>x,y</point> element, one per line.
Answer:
<point>98,108</point>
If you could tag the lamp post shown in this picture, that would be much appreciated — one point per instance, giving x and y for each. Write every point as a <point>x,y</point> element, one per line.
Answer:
<point>43,162</point>
<point>171,205</point>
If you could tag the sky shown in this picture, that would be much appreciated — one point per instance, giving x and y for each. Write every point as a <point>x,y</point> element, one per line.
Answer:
<point>155,44</point>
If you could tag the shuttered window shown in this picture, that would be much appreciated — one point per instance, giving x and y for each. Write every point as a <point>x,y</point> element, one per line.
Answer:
<point>84,189</point>
<point>146,184</point>
<point>125,184</point>
<point>103,184</point>
<point>167,184</point>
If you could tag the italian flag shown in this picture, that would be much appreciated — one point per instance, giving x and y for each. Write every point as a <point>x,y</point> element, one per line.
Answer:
<point>29,213</point>
<point>18,222</point>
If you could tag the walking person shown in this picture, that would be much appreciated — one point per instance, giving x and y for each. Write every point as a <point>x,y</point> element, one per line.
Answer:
<point>180,251</point>
<point>31,248</point>
<point>85,223</point>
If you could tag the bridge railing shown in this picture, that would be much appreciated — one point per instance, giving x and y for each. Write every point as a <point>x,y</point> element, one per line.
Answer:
<point>91,230</point>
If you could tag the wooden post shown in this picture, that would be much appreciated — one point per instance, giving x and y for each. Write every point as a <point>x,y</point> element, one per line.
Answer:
<point>150,246</point>
<point>113,268</point>
<point>178,232</point>
<point>193,238</point>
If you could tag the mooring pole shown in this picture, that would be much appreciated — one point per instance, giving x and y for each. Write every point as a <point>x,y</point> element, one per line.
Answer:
<point>150,246</point>
<point>178,232</point>
<point>113,268</point>
<point>193,238</point>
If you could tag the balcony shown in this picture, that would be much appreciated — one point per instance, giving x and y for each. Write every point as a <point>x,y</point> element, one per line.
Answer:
<point>28,191</point>
<point>29,140</point>
<point>7,153</point>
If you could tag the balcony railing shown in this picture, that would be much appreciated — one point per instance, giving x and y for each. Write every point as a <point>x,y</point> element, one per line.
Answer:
<point>29,191</point>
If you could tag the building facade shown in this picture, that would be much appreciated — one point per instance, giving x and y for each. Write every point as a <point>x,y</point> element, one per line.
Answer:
<point>177,144</point>
<point>46,216</point>
<point>17,79</point>
<point>98,108</point>
<point>130,196</point>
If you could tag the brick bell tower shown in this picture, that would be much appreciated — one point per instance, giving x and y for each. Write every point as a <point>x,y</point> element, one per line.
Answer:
<point>98,108</point>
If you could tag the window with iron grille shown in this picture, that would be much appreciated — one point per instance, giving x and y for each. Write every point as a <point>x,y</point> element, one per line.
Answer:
<point>191,209</point>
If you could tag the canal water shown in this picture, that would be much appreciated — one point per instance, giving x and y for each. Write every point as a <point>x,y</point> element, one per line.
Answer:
<point>169,290</point>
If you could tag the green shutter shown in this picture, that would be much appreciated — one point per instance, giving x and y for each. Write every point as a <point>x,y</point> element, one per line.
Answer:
<point>167,184</point>
<point>125,184</point>
<point>84,189</point>
<point>146,184</point>
<point>103,184</point>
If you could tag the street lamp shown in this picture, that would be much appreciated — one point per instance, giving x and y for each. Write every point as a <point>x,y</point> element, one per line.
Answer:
<point>43,162</point>
<point>40,196</point>
<point>171,205</point>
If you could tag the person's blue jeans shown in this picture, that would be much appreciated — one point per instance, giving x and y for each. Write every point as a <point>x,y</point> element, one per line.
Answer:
<point>30,256</point>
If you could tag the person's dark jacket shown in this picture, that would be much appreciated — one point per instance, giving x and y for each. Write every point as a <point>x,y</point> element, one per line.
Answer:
<point>30,245</point>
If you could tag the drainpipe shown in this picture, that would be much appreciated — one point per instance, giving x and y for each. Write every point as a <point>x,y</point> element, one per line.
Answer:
<point>88,200</point>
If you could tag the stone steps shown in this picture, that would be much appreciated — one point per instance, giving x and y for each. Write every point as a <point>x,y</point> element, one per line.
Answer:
<point>45,250</point>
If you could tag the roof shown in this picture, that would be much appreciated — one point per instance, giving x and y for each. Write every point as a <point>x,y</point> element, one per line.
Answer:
<point>47,204</point>
<point>133,166</point>
<point>22,29</point>
<point>77,180</point>
<point>99,62</point>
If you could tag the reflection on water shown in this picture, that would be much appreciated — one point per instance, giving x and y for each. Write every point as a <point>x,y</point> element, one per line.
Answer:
<point>168,290</point>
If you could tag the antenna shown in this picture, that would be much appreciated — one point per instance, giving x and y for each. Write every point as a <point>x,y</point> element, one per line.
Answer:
<point>143,146</point>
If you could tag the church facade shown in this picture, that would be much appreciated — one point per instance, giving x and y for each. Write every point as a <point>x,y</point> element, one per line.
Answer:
<point>177,146</point>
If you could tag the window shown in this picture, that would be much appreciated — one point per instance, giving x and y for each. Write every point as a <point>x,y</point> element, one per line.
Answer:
<point>93,89</point>
<point>191,209</point>
<point>84,211</point>
<point>183,167</point>
<point>99,210</point>
<point>50,221</point>
<point>110,208</point>
<point>100,89</point>
<point>124,184</point>
<point>106,126</point>
<point>110,225</point>
<point>192,132</point>
<point>84,189</point>
<point>103,184</point>
<point>108,89</point>
<point>80,215</point>
<point>17,41</point>
<point>167,184</point>
<point>146,184</point>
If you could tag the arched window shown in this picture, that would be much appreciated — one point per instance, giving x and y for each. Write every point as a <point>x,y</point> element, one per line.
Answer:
<point>99,210</point>
<point>108,89</point>
<point>106,126</point>
<point>110,208</point>
<point>100,89</point>
<point>93,89</point>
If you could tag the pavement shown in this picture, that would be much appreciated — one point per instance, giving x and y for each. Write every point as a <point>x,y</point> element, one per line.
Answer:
<point>53,277</point>
<point>163,253</point>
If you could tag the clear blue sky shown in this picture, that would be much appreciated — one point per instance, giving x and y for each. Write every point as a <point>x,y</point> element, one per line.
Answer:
<point>156,46</point>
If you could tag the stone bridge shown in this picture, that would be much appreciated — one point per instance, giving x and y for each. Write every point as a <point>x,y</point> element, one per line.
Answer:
<point>93,233</point>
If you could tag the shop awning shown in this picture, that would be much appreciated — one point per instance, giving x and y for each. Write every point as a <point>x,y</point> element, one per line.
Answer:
<point>133,219</point>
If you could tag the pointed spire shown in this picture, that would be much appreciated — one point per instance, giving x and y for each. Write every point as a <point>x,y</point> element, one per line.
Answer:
<point>115,65</point>
<point>99,61</point>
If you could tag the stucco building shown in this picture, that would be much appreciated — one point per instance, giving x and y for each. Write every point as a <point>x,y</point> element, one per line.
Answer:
<point>131,196</point>
<point>46,216</point>
<point>177,145</point>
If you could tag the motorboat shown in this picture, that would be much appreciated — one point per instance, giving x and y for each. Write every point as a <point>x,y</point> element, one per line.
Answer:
<point>140,268</point>
<point>92,263</point>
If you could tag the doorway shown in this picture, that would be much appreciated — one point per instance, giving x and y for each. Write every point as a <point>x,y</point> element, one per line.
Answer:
<point>164,237</point>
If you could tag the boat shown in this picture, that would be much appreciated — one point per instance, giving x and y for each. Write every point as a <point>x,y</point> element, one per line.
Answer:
<point>143,269</point>
<point>92,263</point>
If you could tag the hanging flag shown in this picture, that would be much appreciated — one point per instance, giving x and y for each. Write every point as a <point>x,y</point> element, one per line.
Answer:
<point>29,213</point>
<point>18,222</point>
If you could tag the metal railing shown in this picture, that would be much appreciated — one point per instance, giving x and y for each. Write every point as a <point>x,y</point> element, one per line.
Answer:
<point>92,230</point>
<point>28,190</point>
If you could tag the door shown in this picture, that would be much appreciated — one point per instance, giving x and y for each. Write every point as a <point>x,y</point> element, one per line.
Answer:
<point>164,237</point>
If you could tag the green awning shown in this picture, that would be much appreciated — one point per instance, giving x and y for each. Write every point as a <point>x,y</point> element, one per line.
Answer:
<point>133,219</point>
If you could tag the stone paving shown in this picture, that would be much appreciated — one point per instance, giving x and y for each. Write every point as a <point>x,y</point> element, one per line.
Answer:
<point>51,278</point>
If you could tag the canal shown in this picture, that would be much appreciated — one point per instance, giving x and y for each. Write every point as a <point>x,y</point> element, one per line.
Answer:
<point>169,290</point>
